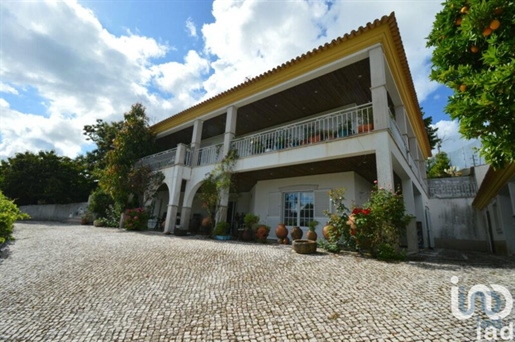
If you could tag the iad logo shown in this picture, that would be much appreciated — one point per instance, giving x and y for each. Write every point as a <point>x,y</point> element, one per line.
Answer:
<point>493,328</point>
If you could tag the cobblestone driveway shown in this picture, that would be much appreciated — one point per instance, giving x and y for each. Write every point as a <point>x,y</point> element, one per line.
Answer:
<point>80,283</point>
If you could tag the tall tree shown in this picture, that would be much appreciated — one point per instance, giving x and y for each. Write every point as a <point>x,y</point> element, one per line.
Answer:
<point>102,134</point>
<point>474,54</point>
<point>438,164</point>
<point>132,141</point>
<point>430,131</point>
<point>45,177</point>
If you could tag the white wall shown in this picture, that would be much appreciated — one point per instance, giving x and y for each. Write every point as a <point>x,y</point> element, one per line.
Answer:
<point>455,224</point>
<point>321,184</point>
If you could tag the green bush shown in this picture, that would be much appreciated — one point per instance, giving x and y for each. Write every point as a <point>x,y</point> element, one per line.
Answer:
<point>113,214</point>
<point>9,213</point>
<point>99,203</point>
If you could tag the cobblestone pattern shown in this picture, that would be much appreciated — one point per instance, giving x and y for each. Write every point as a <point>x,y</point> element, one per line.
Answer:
<point>80,283</point>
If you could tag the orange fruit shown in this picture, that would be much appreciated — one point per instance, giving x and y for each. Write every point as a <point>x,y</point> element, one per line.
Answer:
<point>463,87</point>
<point>458,21</point>
<point>464,9</point>
<point>487,31</point>
<point>498,10</point>
<point>474,49</point>
<point>494,25</point>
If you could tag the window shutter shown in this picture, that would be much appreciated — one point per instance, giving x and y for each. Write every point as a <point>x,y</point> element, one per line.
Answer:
<point>322,202</point>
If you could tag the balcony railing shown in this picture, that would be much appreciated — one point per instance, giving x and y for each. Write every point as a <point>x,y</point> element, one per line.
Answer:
<point>159,160</point>
<point>334,125</point>
<point>209,155</point>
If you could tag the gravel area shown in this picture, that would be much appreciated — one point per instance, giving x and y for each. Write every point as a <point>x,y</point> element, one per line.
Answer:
<point>61,282</point>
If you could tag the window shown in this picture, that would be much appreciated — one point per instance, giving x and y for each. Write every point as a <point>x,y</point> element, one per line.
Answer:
<point>298,208</point>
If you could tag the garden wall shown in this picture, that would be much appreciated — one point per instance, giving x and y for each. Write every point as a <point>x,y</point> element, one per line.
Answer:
<point>71,212</point>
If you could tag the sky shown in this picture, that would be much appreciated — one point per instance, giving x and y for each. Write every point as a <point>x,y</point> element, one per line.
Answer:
<point>65,64</point>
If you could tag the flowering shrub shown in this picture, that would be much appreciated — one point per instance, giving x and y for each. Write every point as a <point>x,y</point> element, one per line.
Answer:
<point>339,235</point>
<point>378,224</point>
<point>137,219</point>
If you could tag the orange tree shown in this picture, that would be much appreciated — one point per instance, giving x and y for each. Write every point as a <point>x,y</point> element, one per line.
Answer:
<point>474,54</point>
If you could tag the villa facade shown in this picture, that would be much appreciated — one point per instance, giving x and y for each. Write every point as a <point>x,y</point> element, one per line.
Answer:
<point>342,115</point>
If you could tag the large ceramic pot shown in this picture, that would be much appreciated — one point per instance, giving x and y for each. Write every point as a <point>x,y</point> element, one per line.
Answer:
<point>327,230</point>
<point>262,233</point>
<point>311,235</point>
<point>281,231</point>
<point>296,233</point>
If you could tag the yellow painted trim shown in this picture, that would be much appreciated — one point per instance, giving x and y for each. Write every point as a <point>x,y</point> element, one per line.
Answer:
<point>492,184</point>
<point>407,95</point>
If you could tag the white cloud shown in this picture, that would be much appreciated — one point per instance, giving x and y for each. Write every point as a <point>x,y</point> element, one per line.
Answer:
<point>458,149</point>
<point>83,72</point>
<point>191,28</point>
<point>5,88</point>
<point>4,103</point>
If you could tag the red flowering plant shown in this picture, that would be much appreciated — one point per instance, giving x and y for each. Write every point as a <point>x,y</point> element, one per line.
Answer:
<point>137,219</point>
<point>379,223</point>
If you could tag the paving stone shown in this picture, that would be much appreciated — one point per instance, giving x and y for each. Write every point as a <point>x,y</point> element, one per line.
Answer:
<point>80,283</point>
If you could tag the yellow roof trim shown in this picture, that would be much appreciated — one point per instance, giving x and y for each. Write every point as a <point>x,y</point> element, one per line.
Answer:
<point>492,183</point>
<point>384,31</point>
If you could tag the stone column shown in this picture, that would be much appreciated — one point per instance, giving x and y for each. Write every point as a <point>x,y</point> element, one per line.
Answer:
<point>409,203</point>
<point>230,129</point>
<point>384,164</point>
<point>174,187</point>
<point>185,217</point>
<point>196,138</point>
<point>378,88</point>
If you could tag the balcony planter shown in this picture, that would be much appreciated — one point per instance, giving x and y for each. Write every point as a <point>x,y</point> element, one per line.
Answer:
<point>365,128</point>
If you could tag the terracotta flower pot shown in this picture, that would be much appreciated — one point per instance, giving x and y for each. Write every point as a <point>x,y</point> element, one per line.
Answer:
<point>296,233</point>
<point>281,231</point>
<point>311,235</point>
<point>365,128</point>
<point>261,233</point>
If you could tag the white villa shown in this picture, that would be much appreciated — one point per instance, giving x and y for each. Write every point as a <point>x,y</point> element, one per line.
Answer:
<point>342,115</point>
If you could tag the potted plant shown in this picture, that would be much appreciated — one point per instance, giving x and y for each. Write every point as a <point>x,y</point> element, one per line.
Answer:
<point>221,231</point>
<point>86,218</point>
<point>250,221</point>
<point>311,234</point>
<point>345,129</point>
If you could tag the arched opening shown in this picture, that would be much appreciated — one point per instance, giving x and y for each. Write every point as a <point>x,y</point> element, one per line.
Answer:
<point>159,206</point>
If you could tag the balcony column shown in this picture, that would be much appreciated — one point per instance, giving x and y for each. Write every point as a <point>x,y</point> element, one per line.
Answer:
<point>409,203</point>
<point>196,138</point>
<point>230,132</point>
<point>384,163</point>
<point>402,122</point>
<point>378,88</point>
<point>174,187</point>
<point>230,129</point>
<point>185,217</point>
<point>180,154</point>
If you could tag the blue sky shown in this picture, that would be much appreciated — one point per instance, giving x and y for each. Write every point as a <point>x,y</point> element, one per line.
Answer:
<point>66,63</point>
